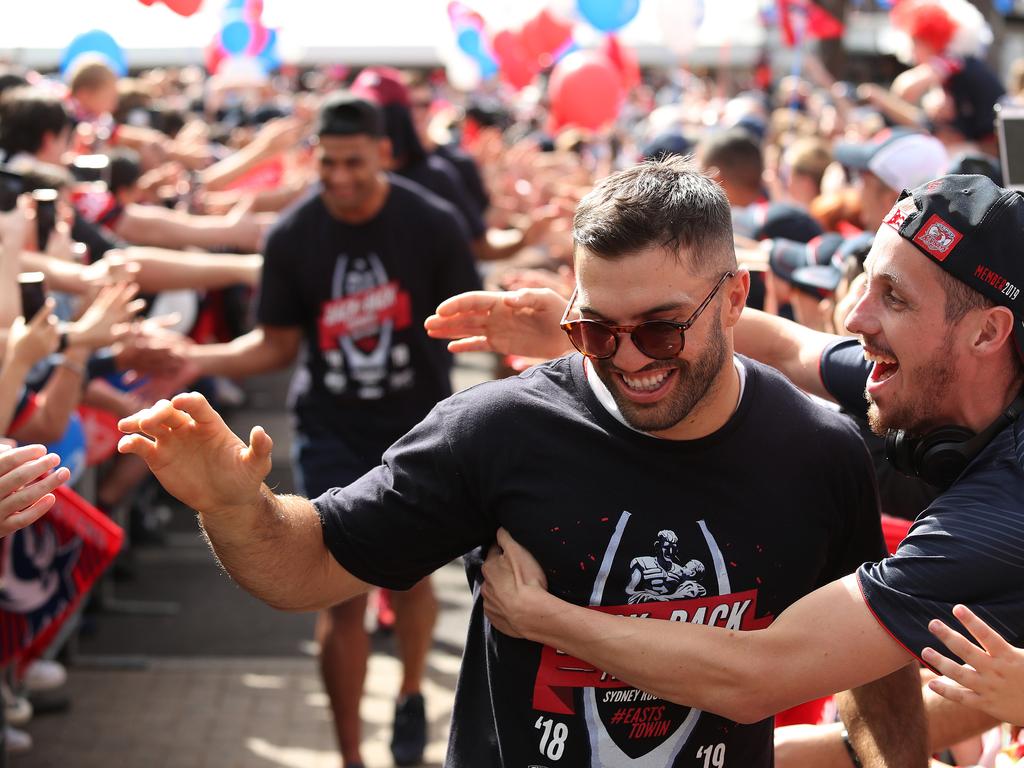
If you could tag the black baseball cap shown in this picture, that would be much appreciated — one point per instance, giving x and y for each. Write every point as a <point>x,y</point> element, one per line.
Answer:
<point>764,220</point>
<point>345,114</point>
<point>825,277</point>
<point>971,228</point>
<point>788,258</point>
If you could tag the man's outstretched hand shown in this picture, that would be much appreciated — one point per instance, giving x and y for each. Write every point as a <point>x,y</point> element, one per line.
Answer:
<point>522,322</point>
<point>195,456</point>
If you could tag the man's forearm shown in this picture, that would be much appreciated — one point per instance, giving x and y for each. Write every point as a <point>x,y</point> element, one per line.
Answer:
<point>12,378</point>
<point>885,720</point>
<point>784,345</point>
<point>247,355</point>
<point>274,549</point>
<point>703,667</point>
<point>162,269</point>
<point>825,642</point>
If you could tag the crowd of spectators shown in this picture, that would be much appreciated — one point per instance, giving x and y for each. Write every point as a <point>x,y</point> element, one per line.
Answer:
<point>141,206</point>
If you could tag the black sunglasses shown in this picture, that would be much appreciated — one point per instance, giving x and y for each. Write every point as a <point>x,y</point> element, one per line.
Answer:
<point>657,339</point>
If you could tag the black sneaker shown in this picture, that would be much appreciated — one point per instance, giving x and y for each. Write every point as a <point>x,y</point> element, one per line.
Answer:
<point>409,737</point>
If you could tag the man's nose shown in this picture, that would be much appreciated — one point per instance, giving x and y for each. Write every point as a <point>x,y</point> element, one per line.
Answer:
<point>628,357</point>
<point>863,318</point>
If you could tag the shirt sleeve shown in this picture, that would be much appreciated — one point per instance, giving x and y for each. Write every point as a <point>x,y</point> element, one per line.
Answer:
<point>280,300</point>
<point>966,548</point>
<point>409,516</point>
<point>844,373</point>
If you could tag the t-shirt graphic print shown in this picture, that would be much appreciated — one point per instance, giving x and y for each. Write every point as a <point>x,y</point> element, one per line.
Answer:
<point>357,328</point>
<point>673,575</point>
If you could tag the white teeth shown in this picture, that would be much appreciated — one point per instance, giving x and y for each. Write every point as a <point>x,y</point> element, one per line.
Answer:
<point>873,358</point>
<point>648,382</point>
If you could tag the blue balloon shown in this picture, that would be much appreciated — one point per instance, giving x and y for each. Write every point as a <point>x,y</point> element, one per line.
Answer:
<point>71,448</point>
<point>488,66</point>
<point>234,37</point>
<point>608,15</point>
<point>234,5</point>
<point>469,40</point>
<point>99,43</point>
<point>271,45</point>
<point>1003,6</point>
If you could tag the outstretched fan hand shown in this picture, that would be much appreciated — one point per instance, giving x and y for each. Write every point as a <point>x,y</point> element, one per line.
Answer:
<point>195,456</point>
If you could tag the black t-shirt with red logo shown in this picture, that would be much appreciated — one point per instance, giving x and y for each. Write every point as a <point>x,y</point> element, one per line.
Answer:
<point>726,530</point>
<point>360,293</point>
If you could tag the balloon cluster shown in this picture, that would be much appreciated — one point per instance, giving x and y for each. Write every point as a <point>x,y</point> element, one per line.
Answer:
<point>243,41</point>
<point>586,87</point>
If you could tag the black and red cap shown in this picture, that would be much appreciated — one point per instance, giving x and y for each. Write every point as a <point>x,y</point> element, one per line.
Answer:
<point>973,229</point>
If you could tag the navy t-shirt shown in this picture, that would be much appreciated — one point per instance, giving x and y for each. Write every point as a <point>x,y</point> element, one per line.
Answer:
<point>727,530</point>
<point>360,293</point>
<point>440,177</point>
<point>966,547</point>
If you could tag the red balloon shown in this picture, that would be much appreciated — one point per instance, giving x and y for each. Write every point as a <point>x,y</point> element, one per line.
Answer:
<point>552,31</point>
<point>585,90</point>
<point>624,60</point>
<point>184,7</point>
<point>147,2</point>
<point>515,65</point>
<point>214,55</point>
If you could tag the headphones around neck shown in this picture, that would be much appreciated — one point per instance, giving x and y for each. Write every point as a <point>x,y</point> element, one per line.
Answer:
<point>939,456</point>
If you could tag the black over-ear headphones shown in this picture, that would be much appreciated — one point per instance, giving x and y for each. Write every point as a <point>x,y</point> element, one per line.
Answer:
<point>940,456</point>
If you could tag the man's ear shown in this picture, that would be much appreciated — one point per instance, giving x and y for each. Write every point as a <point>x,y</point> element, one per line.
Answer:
<point>736,297</point>
<point>992,329</point>
<point>386,155</point>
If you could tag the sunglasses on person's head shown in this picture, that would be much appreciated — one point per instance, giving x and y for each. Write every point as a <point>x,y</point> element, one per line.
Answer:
<point>657,339</point>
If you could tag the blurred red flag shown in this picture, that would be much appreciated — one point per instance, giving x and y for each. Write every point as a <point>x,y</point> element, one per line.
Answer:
<point>801,20</point>
<point>46,570</point>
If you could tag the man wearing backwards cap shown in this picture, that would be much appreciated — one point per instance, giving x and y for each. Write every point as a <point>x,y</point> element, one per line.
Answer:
<point>941,327</point>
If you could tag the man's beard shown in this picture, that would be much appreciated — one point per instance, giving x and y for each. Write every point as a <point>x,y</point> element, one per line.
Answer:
<point>692,383</point>
<point>929,384</point>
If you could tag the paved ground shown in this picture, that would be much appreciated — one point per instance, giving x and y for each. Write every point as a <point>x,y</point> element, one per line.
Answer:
<point>226,682</point>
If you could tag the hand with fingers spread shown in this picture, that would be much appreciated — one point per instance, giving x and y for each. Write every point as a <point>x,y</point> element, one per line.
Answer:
<point>991,678</point>
<point>27,485</point>
<point>106,318</point>
<point>522,322</point>
<point>29,342</point>
<point>511,577</point>
<point>195,456</point>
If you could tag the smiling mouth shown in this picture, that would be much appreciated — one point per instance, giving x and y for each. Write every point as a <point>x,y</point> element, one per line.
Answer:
<point>646,386</point>
<point>884,368</point>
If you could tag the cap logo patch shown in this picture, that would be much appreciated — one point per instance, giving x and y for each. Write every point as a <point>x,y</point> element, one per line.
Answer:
<point>937,238</point>
<point>899,212</point>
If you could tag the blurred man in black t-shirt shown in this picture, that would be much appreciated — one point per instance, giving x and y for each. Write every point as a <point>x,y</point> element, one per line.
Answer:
<point>349,275</point>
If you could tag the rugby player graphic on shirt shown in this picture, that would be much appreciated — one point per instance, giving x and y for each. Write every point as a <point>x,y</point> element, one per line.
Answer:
<point>357,328</point>
<point>627,726</point>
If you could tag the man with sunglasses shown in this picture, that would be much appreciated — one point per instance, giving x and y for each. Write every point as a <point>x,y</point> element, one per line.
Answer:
<point>658,439</point>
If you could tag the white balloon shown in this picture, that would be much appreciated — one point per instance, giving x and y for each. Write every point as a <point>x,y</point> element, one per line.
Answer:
<point>463,73</point>
<point>680,21</point>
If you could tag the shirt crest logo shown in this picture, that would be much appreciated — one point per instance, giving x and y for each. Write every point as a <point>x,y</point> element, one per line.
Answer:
<point>938,238</point>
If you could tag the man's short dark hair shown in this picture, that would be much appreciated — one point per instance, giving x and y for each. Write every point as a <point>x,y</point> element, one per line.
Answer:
<point>344,114</point>
<point>26,116</point>
<point>666,203</point>
<point>736,154</point>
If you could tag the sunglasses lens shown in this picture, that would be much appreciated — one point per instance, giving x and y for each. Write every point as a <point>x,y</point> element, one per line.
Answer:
<point>657,340</point>
<point>592,339</point>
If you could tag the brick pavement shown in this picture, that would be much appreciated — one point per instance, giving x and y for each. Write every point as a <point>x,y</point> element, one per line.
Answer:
<point>201,712</point>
